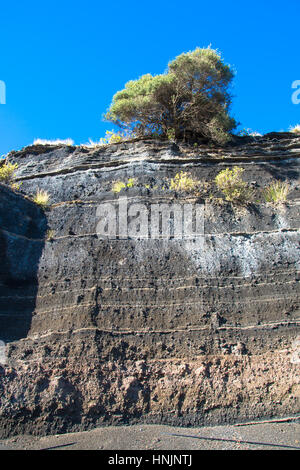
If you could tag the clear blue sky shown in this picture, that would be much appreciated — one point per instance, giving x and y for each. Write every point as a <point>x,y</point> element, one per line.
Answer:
<point>62,61</point>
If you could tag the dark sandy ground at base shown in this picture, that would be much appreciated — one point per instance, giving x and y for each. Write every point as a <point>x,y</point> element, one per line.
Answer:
<point>268,436</point>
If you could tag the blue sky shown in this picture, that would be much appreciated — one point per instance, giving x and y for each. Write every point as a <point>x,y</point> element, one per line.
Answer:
<point>63,61</point>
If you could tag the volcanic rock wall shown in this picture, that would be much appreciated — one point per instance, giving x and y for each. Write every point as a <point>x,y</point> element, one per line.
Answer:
<point>199,330</point>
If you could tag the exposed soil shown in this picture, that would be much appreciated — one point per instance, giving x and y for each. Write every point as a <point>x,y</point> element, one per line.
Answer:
<point>272,436</point>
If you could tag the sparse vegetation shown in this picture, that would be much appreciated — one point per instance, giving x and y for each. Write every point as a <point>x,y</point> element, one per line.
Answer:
<point>111,137</point>
<point>130,183</point>
<point>114,137</point>
<point>184,182</point>
<point>171,135</point>
<point>295,129</point>
<point>276,192</point>
<point>119,185</point>
<point>16,186</point>
<point>42,198</point>
<point>246,132</point>
<point>50,235</point>
<point>7,173</point>
<point>236,190</point>
<point>191,98</point>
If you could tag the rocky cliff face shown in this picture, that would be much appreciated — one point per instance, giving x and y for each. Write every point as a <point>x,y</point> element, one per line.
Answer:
<point>186,330</point>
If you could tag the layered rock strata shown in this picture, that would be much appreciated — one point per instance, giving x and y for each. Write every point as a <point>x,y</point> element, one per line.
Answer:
<point>184,330</point>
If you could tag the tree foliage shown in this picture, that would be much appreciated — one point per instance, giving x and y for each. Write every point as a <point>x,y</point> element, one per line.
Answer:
<point>191,99</point>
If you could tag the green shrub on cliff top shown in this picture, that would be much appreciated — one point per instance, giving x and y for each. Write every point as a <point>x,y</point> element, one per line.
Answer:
<point>191,98</point>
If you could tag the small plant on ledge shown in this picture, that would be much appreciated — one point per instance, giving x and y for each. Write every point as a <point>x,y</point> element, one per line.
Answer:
<point>50,235</point>
<point>236,190</point>
<point>295,129</point>
<point>276,192</point>
<point>7,173</point>
<point>119,185</point>
<point>184,182</point>
<point>42,199</point>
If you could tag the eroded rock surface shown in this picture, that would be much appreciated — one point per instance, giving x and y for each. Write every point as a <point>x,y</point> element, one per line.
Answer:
<point>179,331</point>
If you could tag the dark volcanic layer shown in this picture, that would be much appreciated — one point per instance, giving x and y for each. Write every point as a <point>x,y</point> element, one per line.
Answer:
<point>178,331</point>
